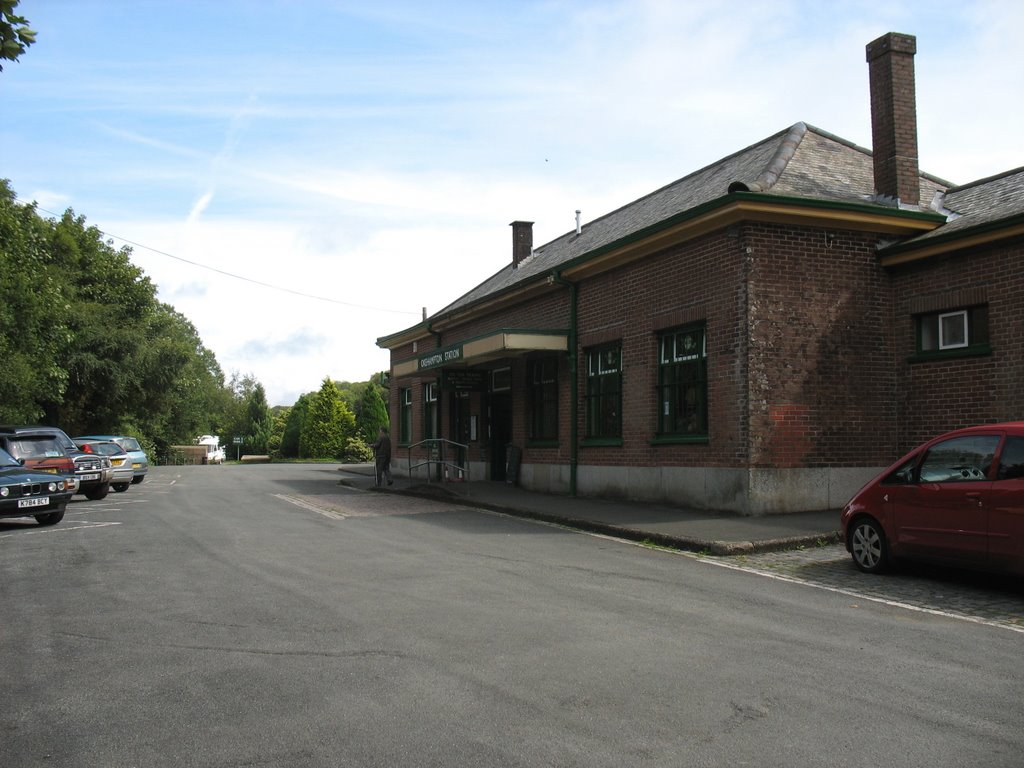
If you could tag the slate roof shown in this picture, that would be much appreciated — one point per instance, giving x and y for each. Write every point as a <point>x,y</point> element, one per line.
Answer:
<point>980,203</point>
<point>800,161</point>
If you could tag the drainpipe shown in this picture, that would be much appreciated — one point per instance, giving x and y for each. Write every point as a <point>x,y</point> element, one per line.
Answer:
<point>574,390</point>
<point>435,334</point>
<point>440,399</point>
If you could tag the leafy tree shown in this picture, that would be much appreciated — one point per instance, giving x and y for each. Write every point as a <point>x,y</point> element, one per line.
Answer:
<point>356,451</point>
<point>245,414</point>
<point>258,417</point>
<point>294,423</point>
<point>182,391</point>
<point>34,331</point>
<point>86,346</point>
<point>108,303</point>
<point>352,394</point>
<point>278,418</point>
<point>256,406</point>
<point>15,36</point>
<point>328,424</point>
<point>372,414</point>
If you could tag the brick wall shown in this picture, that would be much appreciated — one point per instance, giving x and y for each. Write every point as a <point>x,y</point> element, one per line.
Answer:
<point>939,395</point>
<point>700,281</point>
<point>822,384</point>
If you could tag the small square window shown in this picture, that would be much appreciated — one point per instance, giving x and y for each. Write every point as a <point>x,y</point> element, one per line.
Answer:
<point>953,330</point>
<point>960,331</point>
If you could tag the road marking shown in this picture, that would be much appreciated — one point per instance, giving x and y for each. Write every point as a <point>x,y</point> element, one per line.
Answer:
<point>855,594</point>
<point>80,508</point>
<point>311,507</point>
<point>57,529</point>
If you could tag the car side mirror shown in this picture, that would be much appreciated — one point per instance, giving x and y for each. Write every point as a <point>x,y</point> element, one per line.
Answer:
<point>904,476</point>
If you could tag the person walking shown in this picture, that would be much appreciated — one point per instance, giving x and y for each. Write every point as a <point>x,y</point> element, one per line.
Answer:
<point>382,457</point>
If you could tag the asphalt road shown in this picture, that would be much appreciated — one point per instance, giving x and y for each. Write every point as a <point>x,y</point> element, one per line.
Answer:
<point>266,616</point>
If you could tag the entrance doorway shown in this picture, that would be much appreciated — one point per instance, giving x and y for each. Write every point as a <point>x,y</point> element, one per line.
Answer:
<point>501,432</point>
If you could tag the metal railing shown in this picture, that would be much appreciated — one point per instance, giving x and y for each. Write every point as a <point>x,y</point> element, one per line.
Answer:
<point>456,469</point>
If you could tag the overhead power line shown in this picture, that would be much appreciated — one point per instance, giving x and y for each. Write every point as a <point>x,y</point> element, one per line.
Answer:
<point>243,278</point>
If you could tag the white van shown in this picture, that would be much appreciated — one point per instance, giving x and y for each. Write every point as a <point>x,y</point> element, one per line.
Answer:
<point>214,453</point>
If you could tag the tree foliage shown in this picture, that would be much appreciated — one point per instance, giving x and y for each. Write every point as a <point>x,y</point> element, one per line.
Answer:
<point>86,346</point>
<point>34,329</point>
<point>15,35</point>
<point>328,425</point>
<point>372,414</point>
<point>85,343</point>
<point>294,424</point>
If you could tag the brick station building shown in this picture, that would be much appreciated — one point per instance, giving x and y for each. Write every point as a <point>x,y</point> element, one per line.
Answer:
<point>762,335</point>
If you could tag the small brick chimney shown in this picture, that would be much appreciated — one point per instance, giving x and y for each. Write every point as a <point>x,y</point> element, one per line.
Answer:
<point>522,241</point>
<point>894,117</point>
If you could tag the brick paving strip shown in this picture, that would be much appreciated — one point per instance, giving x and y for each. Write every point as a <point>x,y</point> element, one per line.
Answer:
<point>984,598</point>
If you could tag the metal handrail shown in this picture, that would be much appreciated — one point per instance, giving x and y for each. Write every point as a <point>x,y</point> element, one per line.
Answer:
<point>438,444</point>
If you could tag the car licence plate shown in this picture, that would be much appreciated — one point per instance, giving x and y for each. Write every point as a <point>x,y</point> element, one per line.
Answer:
<point>91,476</point>
<point>38,501</point>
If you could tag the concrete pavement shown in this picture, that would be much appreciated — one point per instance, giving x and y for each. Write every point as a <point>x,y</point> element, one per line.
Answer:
<point>718,533</point>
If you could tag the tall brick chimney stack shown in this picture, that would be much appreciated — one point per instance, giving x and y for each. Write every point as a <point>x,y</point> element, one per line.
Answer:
<point>894,117</point>
<point>522,241</point>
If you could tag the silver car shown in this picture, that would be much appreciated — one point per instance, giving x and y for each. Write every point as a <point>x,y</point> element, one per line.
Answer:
<point>140,462</point>
<point>120,462</point>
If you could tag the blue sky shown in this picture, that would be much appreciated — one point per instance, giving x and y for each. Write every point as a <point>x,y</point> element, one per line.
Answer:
<point>365,159</point>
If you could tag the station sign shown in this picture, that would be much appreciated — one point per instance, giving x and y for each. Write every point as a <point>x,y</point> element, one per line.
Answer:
<point>438,358</point>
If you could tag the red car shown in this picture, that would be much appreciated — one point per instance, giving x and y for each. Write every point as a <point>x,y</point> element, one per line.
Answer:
<point>956,500</point>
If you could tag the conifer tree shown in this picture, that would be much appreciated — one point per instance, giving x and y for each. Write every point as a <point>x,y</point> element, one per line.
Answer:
<point>329,424</point>
<point>373,413</point>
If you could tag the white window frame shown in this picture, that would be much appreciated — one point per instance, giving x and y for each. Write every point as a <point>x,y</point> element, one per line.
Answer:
<point>964,331</point>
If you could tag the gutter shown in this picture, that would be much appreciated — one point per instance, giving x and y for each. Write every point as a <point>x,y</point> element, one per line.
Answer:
<point>923,247</point>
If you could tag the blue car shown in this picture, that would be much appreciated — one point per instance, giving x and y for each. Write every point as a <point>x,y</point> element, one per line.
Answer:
<point>28,493</point>
<point>140,462</point>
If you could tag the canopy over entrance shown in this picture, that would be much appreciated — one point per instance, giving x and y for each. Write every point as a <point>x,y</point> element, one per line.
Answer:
<point>493,346</point>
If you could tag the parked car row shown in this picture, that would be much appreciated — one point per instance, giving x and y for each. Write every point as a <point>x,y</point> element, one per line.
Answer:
<point>41,468</point>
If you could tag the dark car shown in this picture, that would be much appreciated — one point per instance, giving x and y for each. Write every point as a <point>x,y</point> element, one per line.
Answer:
<point>39,451</point>
<point>955,500</point>
<point>91,471</point>
<point>26,492</point>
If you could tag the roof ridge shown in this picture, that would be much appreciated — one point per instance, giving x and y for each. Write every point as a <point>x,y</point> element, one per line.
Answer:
<point>985,180</point>
<point>662,188</point>
<point>867,151</point>
<point>783,154</point>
